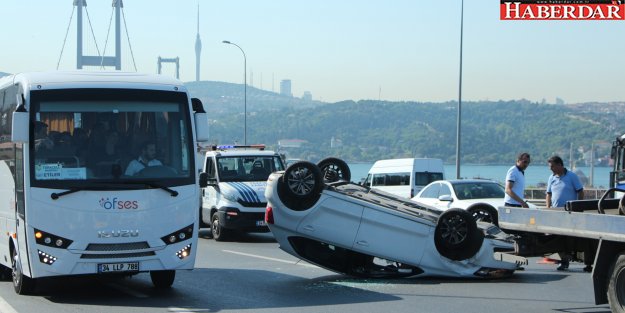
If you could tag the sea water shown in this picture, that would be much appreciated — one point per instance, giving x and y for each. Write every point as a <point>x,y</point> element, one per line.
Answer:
<point>535,175</point>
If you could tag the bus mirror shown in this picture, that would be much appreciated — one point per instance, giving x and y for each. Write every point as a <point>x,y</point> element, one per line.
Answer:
<point>19,129</point>
<point>201,127</point>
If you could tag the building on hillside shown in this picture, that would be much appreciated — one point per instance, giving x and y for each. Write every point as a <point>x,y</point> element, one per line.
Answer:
<point>307,96</point>
<point>291,143</point>
<point>285,88</point>
<point>335,143</point>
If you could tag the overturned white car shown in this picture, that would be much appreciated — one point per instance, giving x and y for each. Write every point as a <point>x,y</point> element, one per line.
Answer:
<point>316,214</point>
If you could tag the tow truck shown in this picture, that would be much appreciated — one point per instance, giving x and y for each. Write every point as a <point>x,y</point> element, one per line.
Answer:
<point>592,230</point>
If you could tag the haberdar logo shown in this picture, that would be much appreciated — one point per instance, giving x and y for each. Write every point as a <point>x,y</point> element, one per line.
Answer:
<point>114,203</point>
<point>562,10</point>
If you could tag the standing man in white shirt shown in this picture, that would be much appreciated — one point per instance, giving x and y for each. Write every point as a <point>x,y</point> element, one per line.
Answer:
<point>515,182</point>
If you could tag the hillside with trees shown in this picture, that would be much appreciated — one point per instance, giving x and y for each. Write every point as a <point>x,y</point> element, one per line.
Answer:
<point>368,130</point>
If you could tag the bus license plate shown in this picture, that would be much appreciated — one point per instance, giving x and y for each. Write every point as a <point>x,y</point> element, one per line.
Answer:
<point>261,223</point>
<point>118,267</point>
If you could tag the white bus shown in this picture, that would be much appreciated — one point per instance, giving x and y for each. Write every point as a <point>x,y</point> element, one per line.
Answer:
<point>68,204</point>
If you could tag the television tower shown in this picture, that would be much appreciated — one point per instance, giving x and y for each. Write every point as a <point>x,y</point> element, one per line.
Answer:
<point>198,46</point>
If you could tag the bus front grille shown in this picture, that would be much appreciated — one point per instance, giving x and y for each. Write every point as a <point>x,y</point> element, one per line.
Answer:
<point>116,256</point>
<point>117,246</point>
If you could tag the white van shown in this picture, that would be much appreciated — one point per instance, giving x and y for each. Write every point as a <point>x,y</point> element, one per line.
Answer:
<point>404,177</point>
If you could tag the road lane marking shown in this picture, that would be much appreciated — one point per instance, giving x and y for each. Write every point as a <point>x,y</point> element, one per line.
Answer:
<point>186,310</point>
<point>271,259</point>
<point>5,307</point>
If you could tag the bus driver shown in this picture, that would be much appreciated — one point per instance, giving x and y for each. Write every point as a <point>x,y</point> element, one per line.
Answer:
<point>147,158</point>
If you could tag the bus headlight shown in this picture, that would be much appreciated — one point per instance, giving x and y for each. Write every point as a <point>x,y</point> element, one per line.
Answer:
<point>179,235</point>
<point>51,240</point>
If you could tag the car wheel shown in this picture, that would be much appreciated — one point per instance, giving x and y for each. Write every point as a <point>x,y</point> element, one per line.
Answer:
<point>219,233</point>
<point>333,170</point>
<point>456,236</point>
<point>300,186</point>
<point>303,180</point>
<point>162,279</point>
<point>22,284</point>
<point>616,285</point>
<point>485,214</point>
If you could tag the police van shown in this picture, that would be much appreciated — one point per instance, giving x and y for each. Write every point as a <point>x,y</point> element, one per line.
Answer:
<point>234,200</point>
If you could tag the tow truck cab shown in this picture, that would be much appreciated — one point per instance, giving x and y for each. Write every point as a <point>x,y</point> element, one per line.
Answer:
<point>234,200</point>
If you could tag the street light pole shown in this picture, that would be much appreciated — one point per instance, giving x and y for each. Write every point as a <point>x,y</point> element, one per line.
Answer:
<point>458,132</point>
<point>245,90</point>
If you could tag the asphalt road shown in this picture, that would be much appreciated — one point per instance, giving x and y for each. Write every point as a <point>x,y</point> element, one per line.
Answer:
<point>254,275</point>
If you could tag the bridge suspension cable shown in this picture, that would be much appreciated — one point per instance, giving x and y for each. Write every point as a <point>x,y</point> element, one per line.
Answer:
<point>127,36</point>
<point>65,39</point>
<point>67,33</point>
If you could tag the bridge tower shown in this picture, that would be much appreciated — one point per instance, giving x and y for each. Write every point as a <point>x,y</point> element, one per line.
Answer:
<point>175,60</point>
<point>87,60</point>
<point>198,46</point>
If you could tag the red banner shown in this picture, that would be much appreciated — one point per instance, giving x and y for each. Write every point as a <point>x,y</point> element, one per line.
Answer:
<point>561,10</point>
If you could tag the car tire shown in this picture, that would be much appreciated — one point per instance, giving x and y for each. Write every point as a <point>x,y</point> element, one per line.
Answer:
<point>333,170</point>
<point>219,232</point>
<point>456,236</point>
<point>616,285</point>
<point>300,186</point>
<point>22,284</point>
<point>485,214</point>
<point>162,279</point>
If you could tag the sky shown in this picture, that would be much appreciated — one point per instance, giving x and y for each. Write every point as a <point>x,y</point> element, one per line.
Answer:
<point>397,50</point>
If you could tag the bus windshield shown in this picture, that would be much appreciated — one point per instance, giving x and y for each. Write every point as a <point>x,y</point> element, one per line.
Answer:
<point>110,135</point>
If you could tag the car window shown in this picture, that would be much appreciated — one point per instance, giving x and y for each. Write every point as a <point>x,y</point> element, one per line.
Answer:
<point>463,191</point>
<point>493,191</point>
<point>478,191</point>
<point>444,191</point>
<point>431,191</point>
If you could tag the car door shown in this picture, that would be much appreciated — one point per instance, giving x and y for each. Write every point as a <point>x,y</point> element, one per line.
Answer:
<point>333,220</point>
<point>391,235</point>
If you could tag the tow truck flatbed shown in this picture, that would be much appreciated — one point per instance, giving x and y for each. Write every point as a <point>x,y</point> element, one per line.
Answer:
<point>567,223</point>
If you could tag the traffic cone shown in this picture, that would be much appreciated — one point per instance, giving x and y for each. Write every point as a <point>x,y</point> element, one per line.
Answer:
<point>548,261</point>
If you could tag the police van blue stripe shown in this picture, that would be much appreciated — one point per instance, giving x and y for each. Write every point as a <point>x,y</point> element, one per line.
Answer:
<point>247,193</point>
<point>241,192</point>
<point>251,192</point>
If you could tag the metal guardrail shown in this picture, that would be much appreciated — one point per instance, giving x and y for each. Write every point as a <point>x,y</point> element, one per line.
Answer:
<point>537,195</point>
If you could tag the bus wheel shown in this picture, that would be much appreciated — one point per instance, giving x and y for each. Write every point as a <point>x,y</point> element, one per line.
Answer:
<point>616,285</point>
<point>162,279</point>
<point>22,284</point>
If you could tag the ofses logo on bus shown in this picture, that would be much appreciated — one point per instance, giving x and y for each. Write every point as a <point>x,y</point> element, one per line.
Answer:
<point>116,204</point>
